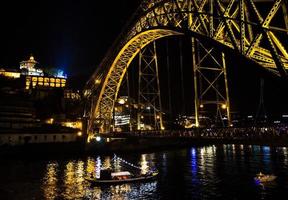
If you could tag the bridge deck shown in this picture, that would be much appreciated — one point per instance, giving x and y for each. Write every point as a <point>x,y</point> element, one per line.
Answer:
<point>221,133</point>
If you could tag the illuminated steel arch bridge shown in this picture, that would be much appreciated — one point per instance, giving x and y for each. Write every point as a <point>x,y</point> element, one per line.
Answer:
<point>255,29</point>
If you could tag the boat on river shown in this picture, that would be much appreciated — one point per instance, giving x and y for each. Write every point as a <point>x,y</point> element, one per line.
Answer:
<point>108,176</point>
<point>122,177</point>
<point>264,178</point>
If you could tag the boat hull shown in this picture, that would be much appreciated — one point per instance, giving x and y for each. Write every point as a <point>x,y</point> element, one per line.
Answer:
<point>130,180</point>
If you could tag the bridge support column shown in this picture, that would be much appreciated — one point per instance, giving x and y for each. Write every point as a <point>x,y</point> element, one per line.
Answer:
<point>149,96</point>
<point>211,92</point>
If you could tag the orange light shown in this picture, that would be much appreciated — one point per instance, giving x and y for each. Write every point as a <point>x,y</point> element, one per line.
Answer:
<point>79,133</point>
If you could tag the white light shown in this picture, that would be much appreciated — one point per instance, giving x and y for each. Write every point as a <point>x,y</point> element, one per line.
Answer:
<point>121,101</point>
<point>98,139</point>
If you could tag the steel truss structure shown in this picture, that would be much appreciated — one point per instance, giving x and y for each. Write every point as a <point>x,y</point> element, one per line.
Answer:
<point>149,95</point>
<point>210,80</point>
<point>239,25</point>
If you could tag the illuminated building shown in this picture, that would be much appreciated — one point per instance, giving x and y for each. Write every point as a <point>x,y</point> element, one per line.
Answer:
<point>42,81</point>
<point>122,114</point>
<point>35,77</point>
<point>73,124</point>
<point>14,74</point>
<point>20,138</point>
<point>28,67</point>
<point>72,95</point>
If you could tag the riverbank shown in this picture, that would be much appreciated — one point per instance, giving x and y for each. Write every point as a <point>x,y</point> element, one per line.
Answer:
<point>127,146</point>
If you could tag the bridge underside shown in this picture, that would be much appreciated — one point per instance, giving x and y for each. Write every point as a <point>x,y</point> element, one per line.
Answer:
<point>238,25</point>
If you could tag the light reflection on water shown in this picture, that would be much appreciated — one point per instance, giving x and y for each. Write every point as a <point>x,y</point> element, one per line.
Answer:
<point>209,172</point>
<point>50,181</point>
<point>75,186</point>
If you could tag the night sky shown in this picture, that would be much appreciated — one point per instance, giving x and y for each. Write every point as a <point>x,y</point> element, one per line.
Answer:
<point>71,35</point>
<point>75,36</point>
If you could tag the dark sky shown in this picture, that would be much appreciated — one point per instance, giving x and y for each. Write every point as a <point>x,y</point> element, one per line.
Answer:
<point>72,35</point>
<point>75,36</point>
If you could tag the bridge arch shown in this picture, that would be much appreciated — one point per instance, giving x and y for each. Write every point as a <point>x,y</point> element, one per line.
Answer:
<point>226,22</point>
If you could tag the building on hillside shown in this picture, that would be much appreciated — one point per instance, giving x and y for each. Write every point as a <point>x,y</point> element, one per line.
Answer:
<point>10,73</point>
<point>34,76</point>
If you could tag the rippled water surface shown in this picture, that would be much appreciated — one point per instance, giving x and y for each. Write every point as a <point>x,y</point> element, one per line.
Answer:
<point>210,172</point>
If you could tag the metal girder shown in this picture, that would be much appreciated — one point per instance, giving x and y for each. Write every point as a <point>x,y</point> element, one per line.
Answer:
<point>149,94</point>
<point>160,18</point>
<point>207,80</point>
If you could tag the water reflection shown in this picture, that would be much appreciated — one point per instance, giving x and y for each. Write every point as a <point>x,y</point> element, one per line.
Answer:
<point>208,172</point>
<point>50,181</point>
<point>69,182</point>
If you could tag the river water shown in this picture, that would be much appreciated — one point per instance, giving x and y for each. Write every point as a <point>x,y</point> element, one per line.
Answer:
<point>208,172</point>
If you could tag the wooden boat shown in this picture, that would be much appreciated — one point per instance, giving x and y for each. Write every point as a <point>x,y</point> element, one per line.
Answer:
<point>122,177</point>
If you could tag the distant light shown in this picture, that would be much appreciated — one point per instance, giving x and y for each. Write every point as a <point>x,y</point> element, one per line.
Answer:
<point>98,138</point>
<point>79,133</point>
<point>60,74</point>
<point>50,121</point>
<point>285,116</point>
<point>277,122</point>
<point>201,106</point>
<point>223,106</point>
<point>250,117</point>
<point>121,101</point>
<point>97,81</point>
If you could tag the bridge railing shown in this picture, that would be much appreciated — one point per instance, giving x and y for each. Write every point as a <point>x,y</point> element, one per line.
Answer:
<point>216,133</point>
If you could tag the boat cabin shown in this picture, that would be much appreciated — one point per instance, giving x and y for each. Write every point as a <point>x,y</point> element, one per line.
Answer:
<point>121,175</point>
<point>107,174</point>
